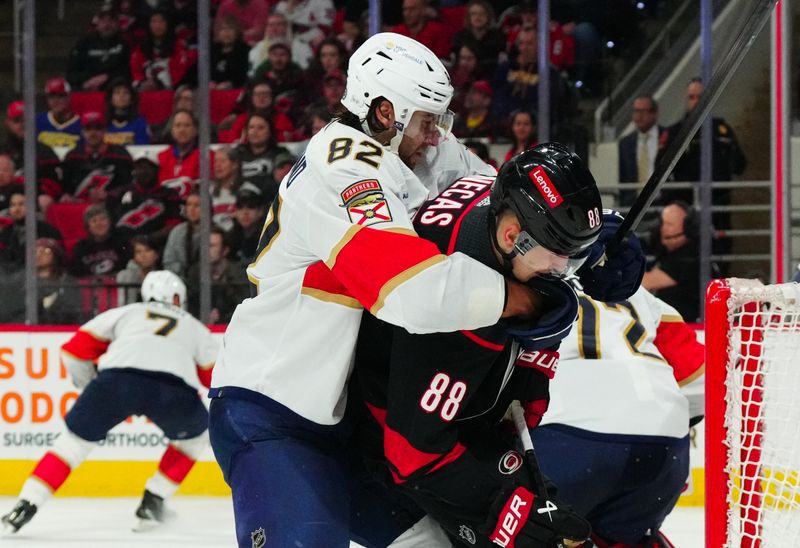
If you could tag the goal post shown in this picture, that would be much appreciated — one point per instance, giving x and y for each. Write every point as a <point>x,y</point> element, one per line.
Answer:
<point>752,468</point>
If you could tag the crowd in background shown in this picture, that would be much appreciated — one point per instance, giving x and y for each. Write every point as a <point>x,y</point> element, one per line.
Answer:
<point>107,218</point>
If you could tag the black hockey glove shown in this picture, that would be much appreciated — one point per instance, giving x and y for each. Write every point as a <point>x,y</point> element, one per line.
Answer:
<point>621,274</point>
<point>522,518</point>
<point>557,320</point>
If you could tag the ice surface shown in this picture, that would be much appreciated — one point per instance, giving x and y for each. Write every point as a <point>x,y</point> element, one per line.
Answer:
<point>201,521</point>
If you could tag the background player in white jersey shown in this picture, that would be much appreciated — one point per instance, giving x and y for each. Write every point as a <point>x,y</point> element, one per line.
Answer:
<point>147,358</point>
<point>615,437</point>
<point>338,240</point>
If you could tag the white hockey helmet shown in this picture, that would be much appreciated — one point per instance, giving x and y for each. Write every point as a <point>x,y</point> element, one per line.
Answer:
<point>161,286</point>
<point>403,71</point>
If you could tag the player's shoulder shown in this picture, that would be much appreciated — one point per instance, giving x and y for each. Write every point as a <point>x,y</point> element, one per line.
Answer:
<point>339,148</point>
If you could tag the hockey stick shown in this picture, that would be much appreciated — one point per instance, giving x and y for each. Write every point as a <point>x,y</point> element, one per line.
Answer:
<point>733,58</point>
<point>518,416</point>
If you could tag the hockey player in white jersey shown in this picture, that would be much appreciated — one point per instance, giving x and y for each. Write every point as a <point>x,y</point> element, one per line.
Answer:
<point>630,380</point>
<point>337,241</point>
<point>148,358</point>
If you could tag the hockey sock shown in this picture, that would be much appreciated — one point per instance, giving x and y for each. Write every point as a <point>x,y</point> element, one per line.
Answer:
<point>53,469</point>
<point>175,465</point>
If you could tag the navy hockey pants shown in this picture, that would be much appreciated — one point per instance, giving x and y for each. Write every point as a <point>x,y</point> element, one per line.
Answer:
<point>116,394</point>
<point>292,479</point>
<point>624,485</point>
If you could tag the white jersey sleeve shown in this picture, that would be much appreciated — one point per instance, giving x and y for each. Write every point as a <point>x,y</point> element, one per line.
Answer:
<point>613,376</point>
<point>338,240</point>
<point>147,336</point>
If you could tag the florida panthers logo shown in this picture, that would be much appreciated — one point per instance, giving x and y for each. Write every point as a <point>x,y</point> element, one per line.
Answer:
<point>510,463</point>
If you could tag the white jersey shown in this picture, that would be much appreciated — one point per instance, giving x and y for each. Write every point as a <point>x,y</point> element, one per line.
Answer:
<point>148,336</point>
<point>339,239</point>
<point>621,367</point>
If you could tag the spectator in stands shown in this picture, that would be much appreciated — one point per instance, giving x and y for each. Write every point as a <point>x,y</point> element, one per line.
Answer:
<point>258,98</point>
<point>48,165</point>
<point>183,243</point>
<point>229,284</point>
<point>257,155</point>
<point>101,56</point>
<point>102,252</point>
<point>179,165</point>
<point>182,99</point>
<point>311,21</point>
<point>248,219</point>
<point>183,14</point>
<point>146,258</point>
<point>12,236</point>
<point>125,125</point>
<point>475,119</point>
<point>58,126</point>
<point>355,14</point>
<point>147,208</point>
<point>225,185</point>
<point>229,52</point>
<point>277,30</point>
<point>9,182</point>
<point>251,14</point>
<point>59,296</point>
<point>162,60</point>
<point>419,24</point>
<point>283,165</point>
<point>516,82</point>
<point>562,45</point>
<point>675,275</point>
<point>638,150</point>
<point>481,151</point>
<point>481,35</point>
<point>523,132</point>
<point>285,76</point>
<point>333,84</point>
<point>466,72</point>
<point>94,170</point>
<point>316,119</point>
<point>728,159</point>
<point>330,57</point>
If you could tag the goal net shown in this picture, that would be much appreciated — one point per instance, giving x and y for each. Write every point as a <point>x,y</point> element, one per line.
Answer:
<point>752,414</point>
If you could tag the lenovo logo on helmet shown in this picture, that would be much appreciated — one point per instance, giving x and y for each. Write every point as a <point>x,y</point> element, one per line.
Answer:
<point>545,186</point>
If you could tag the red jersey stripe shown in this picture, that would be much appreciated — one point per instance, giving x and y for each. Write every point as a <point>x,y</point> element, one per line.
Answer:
<point>320,283</point>
<point>678,344</point>
<point>482,342</point>
<point>407,459</point>
<point>86,346</point>
<point>395,258</point>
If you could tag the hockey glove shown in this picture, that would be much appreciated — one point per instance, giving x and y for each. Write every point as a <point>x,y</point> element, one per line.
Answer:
<point>620,275</point>
<point>82,372</point>
<point>523,519</point>
<point>557,320</point>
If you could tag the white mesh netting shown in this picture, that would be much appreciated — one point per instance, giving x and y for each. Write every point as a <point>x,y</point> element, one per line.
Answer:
<point>762,415</point>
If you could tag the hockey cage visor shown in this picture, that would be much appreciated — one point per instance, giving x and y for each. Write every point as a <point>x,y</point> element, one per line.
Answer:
<point>543,261</point>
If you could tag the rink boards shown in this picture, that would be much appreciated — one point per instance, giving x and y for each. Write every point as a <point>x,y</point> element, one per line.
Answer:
<point>35,392</point>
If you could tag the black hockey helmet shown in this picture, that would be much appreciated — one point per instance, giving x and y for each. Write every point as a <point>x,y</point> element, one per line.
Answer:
<point>554,196</point>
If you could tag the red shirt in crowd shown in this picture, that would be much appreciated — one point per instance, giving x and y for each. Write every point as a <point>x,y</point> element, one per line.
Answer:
<point>434,35</point>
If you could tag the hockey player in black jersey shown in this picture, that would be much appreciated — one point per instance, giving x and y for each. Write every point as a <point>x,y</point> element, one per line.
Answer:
<point>439,398</point>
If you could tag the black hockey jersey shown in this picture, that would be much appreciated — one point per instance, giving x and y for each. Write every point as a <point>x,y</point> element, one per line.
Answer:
<point>438,398</point>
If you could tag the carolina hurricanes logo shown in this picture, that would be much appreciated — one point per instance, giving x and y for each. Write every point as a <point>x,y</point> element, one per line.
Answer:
<point>510,463</point>
<point>365,203</point>
<point>545,186</point>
